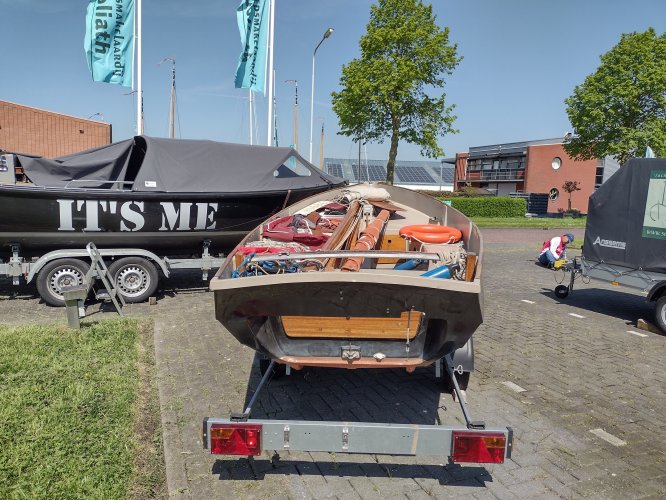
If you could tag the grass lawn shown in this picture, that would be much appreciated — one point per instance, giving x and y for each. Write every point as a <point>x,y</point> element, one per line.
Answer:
<point>530,222</point>
<point>78,412</point>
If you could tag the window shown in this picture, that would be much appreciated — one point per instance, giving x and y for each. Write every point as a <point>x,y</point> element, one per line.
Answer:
<point>554,194</point>
<point>556,163</point>
<point>292,168</point>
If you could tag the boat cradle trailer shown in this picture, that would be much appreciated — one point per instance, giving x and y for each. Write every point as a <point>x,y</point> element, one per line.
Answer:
<point>474,443</point>
<point>650,282</point>
<point>17,266</point>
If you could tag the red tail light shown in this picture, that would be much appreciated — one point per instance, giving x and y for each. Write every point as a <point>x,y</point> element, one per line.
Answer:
<point>235,439</point>
<point>478,447</point>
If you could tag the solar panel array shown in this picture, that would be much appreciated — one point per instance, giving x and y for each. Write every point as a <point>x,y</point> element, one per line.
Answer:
<point>417,175</point>
<point>334,169</point>
<point>376,172</point>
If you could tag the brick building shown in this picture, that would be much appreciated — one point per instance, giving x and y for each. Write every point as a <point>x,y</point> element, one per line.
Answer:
<point>37,132</point>
<point>532,167</point>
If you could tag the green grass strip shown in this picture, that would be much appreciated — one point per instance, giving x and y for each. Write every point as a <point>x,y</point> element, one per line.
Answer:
<point>67,410</point>
<point>530,222</point>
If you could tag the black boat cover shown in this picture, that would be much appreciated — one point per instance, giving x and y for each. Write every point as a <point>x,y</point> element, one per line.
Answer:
<point>626,219</point>
<point>180,165</point>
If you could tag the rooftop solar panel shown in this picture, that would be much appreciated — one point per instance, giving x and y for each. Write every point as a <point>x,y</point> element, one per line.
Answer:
<point>375,172</point>
<point>334,169</point>
<point>417,175</point>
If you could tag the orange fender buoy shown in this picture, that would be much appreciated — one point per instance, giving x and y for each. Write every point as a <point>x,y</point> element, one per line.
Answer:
<point>431,233</point>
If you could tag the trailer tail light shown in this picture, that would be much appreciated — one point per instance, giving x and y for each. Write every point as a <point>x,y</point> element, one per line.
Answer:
<point>235,439</point>
<point>478,447</point>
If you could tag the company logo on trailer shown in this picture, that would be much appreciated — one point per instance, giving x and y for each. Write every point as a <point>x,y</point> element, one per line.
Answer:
<point>621,245</point>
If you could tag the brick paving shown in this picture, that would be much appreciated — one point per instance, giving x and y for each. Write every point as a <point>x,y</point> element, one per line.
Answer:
<point>579,374</point>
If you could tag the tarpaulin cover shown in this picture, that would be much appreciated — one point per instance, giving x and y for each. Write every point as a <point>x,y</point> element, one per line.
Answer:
<point>626,220</point>
<point>185,166</point>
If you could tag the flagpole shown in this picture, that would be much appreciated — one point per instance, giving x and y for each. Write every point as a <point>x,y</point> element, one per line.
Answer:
<point>271,29</point>
<point>139,90</point>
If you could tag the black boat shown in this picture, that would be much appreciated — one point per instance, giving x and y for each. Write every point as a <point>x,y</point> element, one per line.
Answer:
<point>162,195</point>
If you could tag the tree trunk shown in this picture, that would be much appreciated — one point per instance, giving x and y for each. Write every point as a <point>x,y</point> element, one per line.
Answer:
<point>393,152</point>
<point>569,202</point>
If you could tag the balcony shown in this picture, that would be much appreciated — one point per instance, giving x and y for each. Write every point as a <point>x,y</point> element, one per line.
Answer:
<point>494,176</point>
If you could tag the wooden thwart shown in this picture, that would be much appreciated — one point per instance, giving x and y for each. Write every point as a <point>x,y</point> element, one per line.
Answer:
<point>470,269</point>
<point>352,328</point>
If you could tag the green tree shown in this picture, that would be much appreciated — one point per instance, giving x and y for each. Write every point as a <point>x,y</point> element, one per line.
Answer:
<point>621,108</point>
<point>389,91</point>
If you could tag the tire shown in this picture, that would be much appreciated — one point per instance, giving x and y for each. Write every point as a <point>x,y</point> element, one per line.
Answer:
<point>135,278</point>
<point>660,313</point>
<point>58,274</point>
<point>561,291</point>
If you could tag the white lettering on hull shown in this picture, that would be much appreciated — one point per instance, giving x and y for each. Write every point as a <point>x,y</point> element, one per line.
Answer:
<point>172,216</point>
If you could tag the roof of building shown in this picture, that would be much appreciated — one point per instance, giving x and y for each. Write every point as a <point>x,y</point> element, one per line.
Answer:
<point>421,173</point>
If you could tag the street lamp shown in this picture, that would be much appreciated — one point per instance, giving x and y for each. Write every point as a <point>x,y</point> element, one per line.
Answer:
<point>328,33</point>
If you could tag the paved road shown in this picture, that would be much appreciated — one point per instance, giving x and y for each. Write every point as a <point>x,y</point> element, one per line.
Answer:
<point>580,367</point>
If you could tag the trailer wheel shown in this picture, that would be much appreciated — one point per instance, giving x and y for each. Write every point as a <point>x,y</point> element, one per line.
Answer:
<point>135,278</point>
<point>58,274</point>
<point>660,313</point>
<point>561,291</point>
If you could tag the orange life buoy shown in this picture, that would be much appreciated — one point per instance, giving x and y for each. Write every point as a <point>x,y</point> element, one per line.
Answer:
<point>431,233</point>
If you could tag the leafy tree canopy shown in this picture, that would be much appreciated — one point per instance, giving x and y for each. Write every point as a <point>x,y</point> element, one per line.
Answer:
<point>386,93</point>
<point>621,108</point>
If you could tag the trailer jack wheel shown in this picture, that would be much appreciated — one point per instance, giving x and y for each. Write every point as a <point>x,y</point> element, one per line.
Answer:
<point>561,291</point>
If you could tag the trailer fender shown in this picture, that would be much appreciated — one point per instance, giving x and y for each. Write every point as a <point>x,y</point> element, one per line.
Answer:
<point>464,356</point>
<point>656,291</point>
<point>108,252</point>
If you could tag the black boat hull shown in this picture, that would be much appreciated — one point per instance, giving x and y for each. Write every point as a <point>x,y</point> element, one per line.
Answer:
<point>170,224</point>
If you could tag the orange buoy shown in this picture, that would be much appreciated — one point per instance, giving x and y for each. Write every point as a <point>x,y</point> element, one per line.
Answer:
<point>431,233</point>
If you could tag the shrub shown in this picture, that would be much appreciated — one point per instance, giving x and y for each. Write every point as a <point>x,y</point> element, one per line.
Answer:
<point>490,206</point>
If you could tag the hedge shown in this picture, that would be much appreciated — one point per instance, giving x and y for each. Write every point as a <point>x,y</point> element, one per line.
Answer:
<point>490,206</point>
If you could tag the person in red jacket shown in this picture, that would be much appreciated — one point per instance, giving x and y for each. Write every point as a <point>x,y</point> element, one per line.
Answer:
<point>554,249</point>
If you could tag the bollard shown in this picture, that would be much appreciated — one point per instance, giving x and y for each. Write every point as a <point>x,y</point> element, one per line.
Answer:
<point>74,304</point>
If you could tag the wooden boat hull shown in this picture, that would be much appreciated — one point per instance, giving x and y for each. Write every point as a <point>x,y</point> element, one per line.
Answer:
<point>383,317</point>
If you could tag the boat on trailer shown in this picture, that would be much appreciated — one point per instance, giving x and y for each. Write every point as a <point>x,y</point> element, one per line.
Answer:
<point>163,195</point>
<point>366,276</point>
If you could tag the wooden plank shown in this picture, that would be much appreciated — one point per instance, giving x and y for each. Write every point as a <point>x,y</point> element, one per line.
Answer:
<point>352,328</point>
<point>470,269</point>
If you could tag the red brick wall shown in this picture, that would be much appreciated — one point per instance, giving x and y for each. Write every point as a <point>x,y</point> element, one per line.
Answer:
<point>36,132</point>
<point>540,177</point>
<point>461,169</point>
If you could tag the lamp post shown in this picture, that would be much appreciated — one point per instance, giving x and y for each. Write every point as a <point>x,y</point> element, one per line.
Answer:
<point>328,33</point>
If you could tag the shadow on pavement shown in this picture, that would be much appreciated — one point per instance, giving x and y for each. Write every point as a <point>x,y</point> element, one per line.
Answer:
<point>625,306</point>
<point>250,469</point>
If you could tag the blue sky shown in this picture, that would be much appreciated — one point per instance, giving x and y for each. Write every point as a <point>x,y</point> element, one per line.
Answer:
<point>522,58</point>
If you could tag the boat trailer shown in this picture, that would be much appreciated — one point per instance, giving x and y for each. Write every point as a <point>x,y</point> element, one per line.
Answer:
<point>241,435</point>
<point>651,283</point>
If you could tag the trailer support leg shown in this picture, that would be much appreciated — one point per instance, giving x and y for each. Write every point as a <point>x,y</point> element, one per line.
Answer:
<point>471,424</point>
<point>242,417</point>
